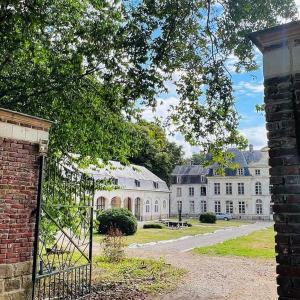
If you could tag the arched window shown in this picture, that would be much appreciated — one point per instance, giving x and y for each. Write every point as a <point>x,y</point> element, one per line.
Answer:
<point>259,207</point>
<point>156,206</point>
<point>258,190</point>
<point>100,203</point>
<point>147,206</point>
<point>116,202</point>
<point>165,204</point>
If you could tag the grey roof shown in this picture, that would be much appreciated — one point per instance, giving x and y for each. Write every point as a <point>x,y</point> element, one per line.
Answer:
<point>190,170</point>
<point>243,158</point>
<point>127,175</point>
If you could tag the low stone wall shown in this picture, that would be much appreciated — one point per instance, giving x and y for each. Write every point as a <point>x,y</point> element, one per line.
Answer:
<point>16,281</point>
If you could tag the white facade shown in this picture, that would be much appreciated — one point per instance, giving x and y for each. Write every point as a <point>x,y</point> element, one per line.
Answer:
<point>138,189</point>
<point>244,193</point>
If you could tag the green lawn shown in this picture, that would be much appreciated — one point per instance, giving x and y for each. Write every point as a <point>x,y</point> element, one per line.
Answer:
<point>153,235</point>
<point>259,244</point>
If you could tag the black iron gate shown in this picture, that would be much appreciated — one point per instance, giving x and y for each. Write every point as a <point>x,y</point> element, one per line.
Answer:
<point>63,236</point>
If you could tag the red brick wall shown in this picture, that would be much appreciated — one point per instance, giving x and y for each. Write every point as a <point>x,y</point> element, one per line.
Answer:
<point>18,194</point>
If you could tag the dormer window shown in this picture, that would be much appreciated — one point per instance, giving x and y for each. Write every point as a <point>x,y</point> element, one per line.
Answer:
<point>115,181</point>
<point>257,172</point>
<point>155,184</point>
<point>177,179</point>
<point>240,172</point>
<point>202,178</point>
<point>137,183</point>
<point>215,172</point>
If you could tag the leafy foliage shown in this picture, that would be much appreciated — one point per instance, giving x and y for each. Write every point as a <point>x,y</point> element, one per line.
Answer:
<point>117,218</point>
<point>84,64</point>
<point>152,226</point>
<point>208,218</point>
<point>155,151</point>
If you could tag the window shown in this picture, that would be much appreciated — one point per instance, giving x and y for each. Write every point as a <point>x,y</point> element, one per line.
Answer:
<point>155,185</point>
<point>217,206</point>
<point>203,190</point>
<point>217,189</point>
<point>229,207</point>
<point>257,172</point>
<point>179,204</point>
<point>179,192</point>
<point>271,189</point>
<point>240,172</point>
<point>202,178</point>
<point>137,183</point>
<point>242,208</point>
<point>192,207</point>
<point>156,206</point>
<point>147,206</point>
<point>115,181</point>
<point>241,188</point>
<point>100,203</point>
<point>228,188</point>
<point>191,191</point>
<point>203,206</point>
<point>258,190</point>
<point>177,179</point>
<point>215,173</point>
<point>165,204</point>
<point>259,207</point>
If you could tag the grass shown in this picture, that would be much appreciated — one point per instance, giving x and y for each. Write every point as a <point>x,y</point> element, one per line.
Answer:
<point>259,244</point>
<point>153,235</point>
<point>150,276</point>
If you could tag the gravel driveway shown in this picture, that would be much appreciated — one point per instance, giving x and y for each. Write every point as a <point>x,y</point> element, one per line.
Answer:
<point>215,278</point>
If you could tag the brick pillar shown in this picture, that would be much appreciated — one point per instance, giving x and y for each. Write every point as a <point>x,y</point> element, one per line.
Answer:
<point>281,56</point>
<point>20,140</point>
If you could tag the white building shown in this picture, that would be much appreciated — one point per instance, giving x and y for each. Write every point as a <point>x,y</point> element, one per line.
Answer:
<point>244,193</point>
<point>139,190</point>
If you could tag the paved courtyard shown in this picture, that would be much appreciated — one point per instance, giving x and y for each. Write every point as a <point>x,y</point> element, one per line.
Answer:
<point>214,278</point>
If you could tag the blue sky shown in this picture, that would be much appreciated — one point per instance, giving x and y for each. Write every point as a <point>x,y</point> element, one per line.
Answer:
<point>248,91</point>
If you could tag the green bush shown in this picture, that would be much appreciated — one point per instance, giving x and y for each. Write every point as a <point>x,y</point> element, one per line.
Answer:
<point>117,218</point>
<point>153,225</point>
<point>208,218</point>
<point>189,224</point>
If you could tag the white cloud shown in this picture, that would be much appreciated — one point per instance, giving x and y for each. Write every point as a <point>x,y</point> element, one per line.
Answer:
<point>162,109</point>
<point>257,136</point>
<point>248,88</point>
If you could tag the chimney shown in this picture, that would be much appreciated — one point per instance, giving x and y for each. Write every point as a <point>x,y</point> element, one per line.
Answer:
<point>251,148</point>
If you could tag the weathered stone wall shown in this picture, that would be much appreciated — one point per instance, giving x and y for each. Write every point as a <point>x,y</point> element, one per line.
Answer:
<point>19,172</point>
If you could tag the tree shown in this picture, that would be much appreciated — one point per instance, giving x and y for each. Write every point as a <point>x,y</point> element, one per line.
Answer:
<point>86,64</point>
<point>155,151</point>
<point>198,158</point>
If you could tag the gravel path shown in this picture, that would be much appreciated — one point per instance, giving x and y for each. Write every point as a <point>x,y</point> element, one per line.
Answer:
<point>207,239</point>
<point>215,278</point>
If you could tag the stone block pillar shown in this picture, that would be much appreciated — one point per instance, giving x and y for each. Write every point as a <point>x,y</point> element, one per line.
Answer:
<point>21,138</point>
<point>281,59</point>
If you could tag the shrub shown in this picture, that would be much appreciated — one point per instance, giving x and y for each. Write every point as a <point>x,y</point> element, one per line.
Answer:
<point>113,246</point>
<point>153,225</point>
<point>208,218</point>
<point>189,224</point>
<point>119,218</point>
